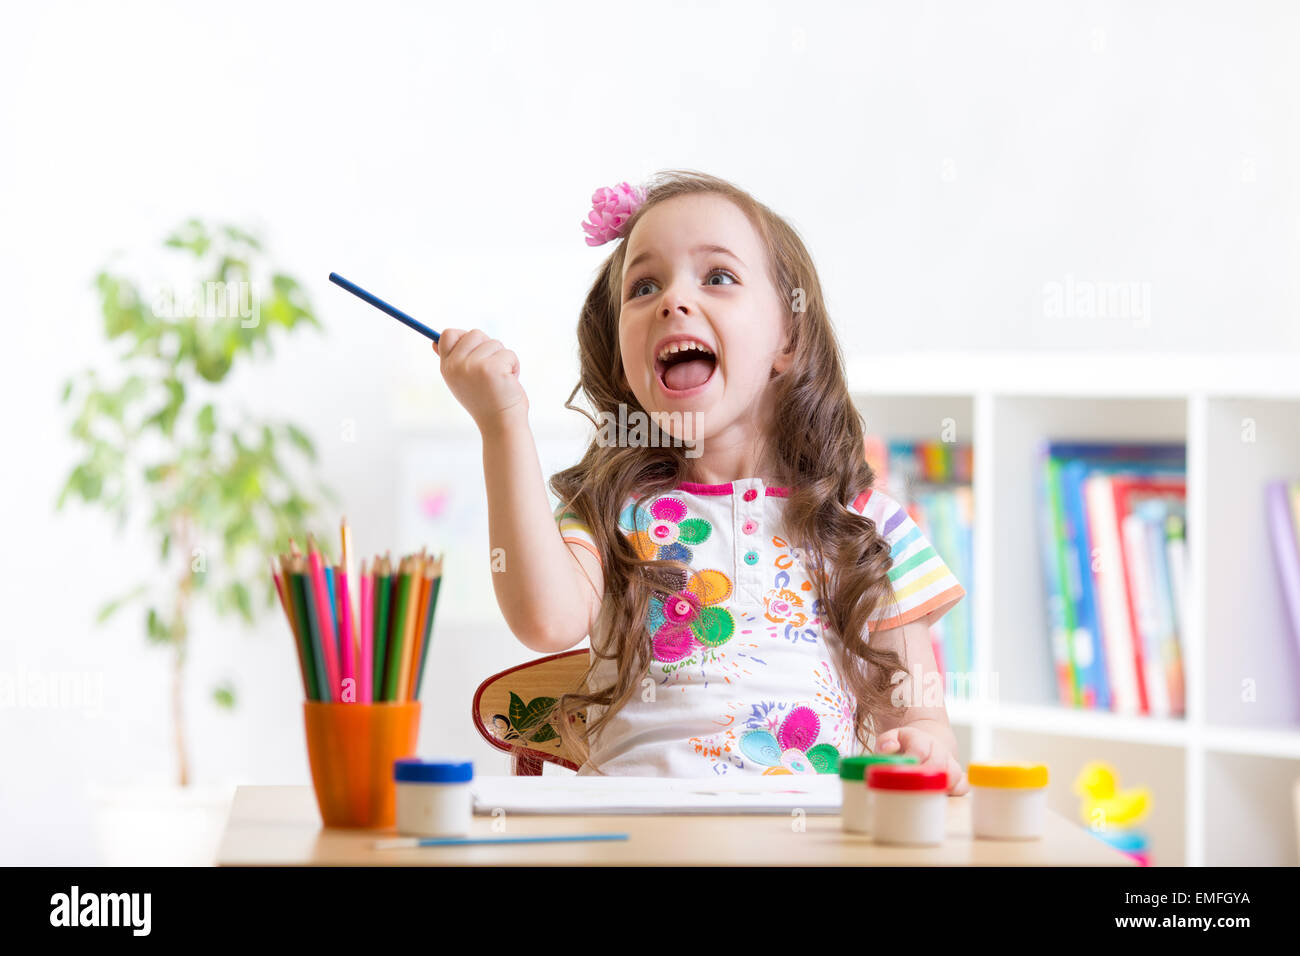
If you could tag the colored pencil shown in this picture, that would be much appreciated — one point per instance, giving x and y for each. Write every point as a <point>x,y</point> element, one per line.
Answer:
<point>346,637</point>
<point>383,306</point>
<point>398,630</point>
<point>411,633</point>
<point>381,629</point>
<point>306,604</point>
<point>421,620</point>
<point>367,636</point>
<point>286,602</point>
<point>334,604</point>
<point>279,586</point>
<point>281,590</point>
<point>345,536</point>
<point>324,620</point>
<point>428,627</point>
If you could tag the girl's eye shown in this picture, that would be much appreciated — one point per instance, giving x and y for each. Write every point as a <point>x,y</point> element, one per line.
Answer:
<point>643,282</point>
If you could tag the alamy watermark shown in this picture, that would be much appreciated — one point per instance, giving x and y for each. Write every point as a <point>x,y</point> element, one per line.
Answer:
<point>635,428</point>
<point>208,300</point>
<point>927,689</point>
<point>1091,299</point>
<point>52,690</point>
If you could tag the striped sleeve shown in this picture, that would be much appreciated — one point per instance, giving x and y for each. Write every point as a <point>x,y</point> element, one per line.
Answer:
<point>924,587</point>
<point>575,531</point>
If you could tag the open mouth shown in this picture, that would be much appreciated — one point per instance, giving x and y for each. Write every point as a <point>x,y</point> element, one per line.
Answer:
<point>686,370</point>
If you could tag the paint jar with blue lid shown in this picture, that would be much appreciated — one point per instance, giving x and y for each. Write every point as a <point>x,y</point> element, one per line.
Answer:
<point>433,796</point>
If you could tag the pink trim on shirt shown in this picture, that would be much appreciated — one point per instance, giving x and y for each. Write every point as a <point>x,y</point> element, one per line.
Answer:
<point>695,488</point>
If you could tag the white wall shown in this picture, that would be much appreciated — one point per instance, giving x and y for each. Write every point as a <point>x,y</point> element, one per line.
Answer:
<point>945,163</point>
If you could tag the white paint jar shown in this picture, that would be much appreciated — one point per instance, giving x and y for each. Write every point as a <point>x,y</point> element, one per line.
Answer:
<point>909,806</point>
<point>855,795</point>
<point>1008,801</point>
<point>433,796</point>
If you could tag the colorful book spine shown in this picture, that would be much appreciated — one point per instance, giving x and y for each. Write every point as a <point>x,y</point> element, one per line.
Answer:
<point>1286,553</point>
<point>1156,513</point>
<point>1107,569</point>
<point>1087,647</point>
<point>1060,607</point>
<point>1137,560</point>
<point>948,546</point>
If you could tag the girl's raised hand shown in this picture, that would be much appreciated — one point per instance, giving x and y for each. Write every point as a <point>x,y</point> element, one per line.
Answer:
<point>483,375</point>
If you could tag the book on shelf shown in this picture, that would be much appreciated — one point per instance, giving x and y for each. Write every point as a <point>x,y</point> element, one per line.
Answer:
<point>1112,589</point>
<point>1282,501</point>
<point>931,481</point>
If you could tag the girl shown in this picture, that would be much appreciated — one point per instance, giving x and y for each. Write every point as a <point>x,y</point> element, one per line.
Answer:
<point>753,603</point>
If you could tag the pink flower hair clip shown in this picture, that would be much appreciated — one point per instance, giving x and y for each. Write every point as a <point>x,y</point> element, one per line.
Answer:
<point>610,211</point>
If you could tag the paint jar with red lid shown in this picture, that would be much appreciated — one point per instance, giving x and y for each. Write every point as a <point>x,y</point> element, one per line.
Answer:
<point>909,805</point>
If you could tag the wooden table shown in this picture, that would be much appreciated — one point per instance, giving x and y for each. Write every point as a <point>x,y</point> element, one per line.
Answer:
<point>280,826</point>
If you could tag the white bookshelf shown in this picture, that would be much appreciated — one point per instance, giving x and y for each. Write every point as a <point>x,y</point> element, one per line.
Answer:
<point>1221,777</point>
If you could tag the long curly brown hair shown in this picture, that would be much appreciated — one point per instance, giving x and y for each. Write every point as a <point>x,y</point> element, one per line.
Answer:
<point>815,443</point>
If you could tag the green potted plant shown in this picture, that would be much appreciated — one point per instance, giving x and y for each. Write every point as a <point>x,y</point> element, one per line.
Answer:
<point>158,439</point>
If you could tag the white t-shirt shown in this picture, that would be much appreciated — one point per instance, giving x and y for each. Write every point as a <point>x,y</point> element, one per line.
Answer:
<point>744,676</point>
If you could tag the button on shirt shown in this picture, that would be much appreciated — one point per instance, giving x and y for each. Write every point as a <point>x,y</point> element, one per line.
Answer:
<point>744,674</point>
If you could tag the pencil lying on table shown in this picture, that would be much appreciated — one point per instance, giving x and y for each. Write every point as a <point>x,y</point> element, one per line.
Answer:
<point>406,843</point>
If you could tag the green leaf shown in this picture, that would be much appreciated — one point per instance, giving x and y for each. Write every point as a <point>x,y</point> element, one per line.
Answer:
<point>300,439</point>
<point>111,608</point>
<point>243,601</point>
<point>223,695</point>
<point>207,421</point>
<point>524,717</point>
<point>546,733</point>
<point>158,630</point>
<point>239,235</point>
<point>212,365</point>
<point>165,417</point>
<point>192,236</point>
<point>88,482</point>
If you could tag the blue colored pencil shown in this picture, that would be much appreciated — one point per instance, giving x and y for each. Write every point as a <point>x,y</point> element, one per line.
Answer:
<point>383,306</point>
<point>334,604</point>
<point>402,843</point>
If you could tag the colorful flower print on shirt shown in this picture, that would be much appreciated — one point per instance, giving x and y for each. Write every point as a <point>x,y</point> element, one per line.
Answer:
<point>784,606</point>
<point>663,532</point>
<point>687,620</point>
<point>836,701</point>
<point>786,603</point>
<point>727,664</point>
<point>793,748</point>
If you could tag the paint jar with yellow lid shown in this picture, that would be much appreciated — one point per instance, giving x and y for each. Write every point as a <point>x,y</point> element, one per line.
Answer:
<point>1008,801</point>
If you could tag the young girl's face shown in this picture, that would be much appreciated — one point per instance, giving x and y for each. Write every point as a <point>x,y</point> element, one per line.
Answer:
<point>677,289</point>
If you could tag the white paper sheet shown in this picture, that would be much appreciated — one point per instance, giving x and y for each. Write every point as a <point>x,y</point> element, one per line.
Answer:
<point>777,793</point>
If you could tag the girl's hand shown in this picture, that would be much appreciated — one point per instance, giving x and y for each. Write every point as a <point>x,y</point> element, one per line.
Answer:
<point>483,375</point>
<point>931,752</point>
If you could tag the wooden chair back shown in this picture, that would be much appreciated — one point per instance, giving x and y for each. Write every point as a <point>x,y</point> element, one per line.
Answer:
<point>508,705</point>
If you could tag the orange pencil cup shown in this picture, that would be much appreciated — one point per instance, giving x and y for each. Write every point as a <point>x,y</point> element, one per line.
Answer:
<point>351,748</point>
